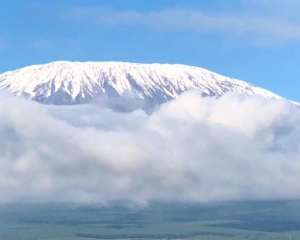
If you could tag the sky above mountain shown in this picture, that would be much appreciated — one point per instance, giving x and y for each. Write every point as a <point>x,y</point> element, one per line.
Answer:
<point>253,40</point>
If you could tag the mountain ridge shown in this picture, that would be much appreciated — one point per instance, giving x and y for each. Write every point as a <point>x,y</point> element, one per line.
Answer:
<point>67,83</point>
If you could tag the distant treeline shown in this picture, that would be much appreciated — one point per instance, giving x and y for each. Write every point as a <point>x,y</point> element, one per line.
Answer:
<point>264,226</point>
<point>153,236</point>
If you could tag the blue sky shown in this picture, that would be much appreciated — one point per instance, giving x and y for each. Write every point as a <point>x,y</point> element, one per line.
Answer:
<point>254,40</point>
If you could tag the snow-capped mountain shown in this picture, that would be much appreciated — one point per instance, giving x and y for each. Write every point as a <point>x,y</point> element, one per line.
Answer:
<point>65,82</point>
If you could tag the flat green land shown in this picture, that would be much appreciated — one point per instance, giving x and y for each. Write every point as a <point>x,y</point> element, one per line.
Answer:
<point>276,220</point>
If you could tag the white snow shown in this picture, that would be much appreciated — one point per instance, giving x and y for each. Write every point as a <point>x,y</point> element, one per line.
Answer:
<point>82,78</point>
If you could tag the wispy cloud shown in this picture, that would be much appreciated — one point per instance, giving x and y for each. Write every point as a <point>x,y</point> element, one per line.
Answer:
<point>2,44</point>
<point>242,24</point>
<point>42,44</point>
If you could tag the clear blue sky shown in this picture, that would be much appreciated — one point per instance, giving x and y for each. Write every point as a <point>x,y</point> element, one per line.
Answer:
<point>254,40</point>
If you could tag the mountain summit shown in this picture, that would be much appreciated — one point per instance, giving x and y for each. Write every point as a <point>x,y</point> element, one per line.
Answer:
<point>66,83</point>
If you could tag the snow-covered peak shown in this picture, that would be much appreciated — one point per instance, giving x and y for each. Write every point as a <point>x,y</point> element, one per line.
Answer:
<point>65,82</point>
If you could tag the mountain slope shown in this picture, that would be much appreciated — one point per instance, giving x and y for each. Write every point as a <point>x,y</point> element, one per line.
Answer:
<point>65,82</point>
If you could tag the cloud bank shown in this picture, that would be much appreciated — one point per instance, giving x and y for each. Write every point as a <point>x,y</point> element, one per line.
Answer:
<point>190,149</point>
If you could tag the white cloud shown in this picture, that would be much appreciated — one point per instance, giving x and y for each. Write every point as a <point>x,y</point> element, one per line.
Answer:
<point>191,149</point>
<point>258,21</point>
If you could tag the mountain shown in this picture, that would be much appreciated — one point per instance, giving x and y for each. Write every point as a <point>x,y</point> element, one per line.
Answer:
<point>118,83</point>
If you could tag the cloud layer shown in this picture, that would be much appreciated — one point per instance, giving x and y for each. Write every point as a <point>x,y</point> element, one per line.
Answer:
<point>190,149</point>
